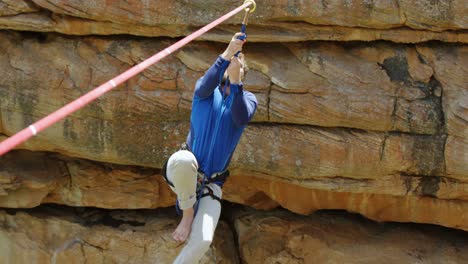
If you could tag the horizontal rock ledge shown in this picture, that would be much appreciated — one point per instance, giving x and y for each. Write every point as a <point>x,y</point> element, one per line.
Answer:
<point>85,235</point>
<point>279,31</point>
<point>379,207</point>
<point>60,234</point>
<point>331,20</point>
<point>286,151</point>
<point>332,237</point>
<point>29,179</point>
<point>381,87</point>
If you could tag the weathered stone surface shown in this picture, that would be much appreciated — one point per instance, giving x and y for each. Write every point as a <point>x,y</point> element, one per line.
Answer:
<point>418,205</point>
<point>287,151</point>
<point>93,236</point>
<point>375,128</point>
<point>302,153</point>
<point>434,15</point>
<point>450,69</point>
<point>28,179</point>
<point>25,183</point>
<point>26,186</point>
<point>397,21</point>
<point>279,31</point>
<point>15,7</point>
<point>380,94</point>
<point>356,86</point>
<point>279,237</point>
<point>456,156</point>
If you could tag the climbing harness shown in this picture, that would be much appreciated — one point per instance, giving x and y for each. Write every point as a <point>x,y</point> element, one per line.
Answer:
<point>202,190</point>
<point>87,98</point>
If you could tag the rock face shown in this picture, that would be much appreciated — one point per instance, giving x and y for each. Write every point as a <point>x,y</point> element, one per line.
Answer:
<point>362,106</point>
<point>93,236</point>
<point>32,178</point>
<point>51,234</point>
<point>319,85</point>
<point>331,238</point>
<point>406,21</point>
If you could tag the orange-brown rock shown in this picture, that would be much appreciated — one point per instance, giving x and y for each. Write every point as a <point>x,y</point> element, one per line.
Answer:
<point>418,204</point>
<point>374,96</point>
<point>303,153</point>
<point>380,89</point>
<point>15,7</point>
<point>456,156</point>
<point>287,151</point>
<point>377,128</point>
<point>279,237</point>
<point>28,179</point>
<point>387,92</point>
<point>60,235</point>
<point>450,68</point>
<point>397,21</point>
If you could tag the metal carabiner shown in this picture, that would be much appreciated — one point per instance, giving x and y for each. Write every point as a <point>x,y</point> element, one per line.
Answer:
<point>245,21</point>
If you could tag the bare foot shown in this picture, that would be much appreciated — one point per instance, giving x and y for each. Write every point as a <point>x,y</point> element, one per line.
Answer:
<point>185,226</point>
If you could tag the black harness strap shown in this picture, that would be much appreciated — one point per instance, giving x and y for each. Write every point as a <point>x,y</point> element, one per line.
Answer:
<point>164,173</point>
<point>210,193</point>
<point>219,178</point>
<point>222,177</point>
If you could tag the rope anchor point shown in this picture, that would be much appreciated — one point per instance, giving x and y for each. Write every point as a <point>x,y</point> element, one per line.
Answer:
<point>251,10</point>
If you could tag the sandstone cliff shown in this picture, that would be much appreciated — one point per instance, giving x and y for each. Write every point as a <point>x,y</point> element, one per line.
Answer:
<point>85,235</point>
<point>363,106</point>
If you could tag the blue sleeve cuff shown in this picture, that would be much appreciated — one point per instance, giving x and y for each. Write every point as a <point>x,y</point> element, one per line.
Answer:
<point>221,59</point>
<point>237,88</point>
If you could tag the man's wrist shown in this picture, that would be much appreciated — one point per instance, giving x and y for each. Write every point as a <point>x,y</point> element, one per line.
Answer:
<point>236,82</point>
<point>226,56</point>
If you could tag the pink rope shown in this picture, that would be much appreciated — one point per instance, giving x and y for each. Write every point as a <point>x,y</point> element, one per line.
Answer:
<point>74,106</point>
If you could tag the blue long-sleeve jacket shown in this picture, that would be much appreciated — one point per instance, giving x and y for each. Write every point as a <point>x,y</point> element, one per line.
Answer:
<point>216,124</point>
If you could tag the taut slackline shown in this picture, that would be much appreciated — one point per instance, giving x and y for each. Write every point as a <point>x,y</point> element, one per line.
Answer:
<point>82,101</point>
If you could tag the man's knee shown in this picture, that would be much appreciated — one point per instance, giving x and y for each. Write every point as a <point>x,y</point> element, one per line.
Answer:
<point>182,164</point>
<point>181,171</point>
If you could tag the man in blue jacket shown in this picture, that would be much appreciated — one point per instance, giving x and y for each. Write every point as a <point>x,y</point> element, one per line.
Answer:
<point>221,109</point>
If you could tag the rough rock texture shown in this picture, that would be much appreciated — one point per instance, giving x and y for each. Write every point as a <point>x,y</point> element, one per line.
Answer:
<point>405,21</point>
<point>51,234</point>
<point>331,238</point>
<point>32,178</point>
<point>363,106</point>
<point>417,205</point>
<point>343,121</point>
<point>92,236</point>
<point>454,78</point>
<point>306,84</point>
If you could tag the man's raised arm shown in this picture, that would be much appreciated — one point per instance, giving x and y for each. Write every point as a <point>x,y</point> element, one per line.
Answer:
<point>206,84</point>
<point>243,106</point>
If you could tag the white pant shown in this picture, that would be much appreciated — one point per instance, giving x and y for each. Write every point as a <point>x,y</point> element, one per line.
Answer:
<point>180,173</point>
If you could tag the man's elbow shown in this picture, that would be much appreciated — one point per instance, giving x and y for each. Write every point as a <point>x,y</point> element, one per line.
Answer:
<point>244,119</point>
<point>240,122</point>
<point>200,90</point>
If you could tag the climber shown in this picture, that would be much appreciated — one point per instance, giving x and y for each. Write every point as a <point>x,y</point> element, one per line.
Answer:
<point>221,109</point>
